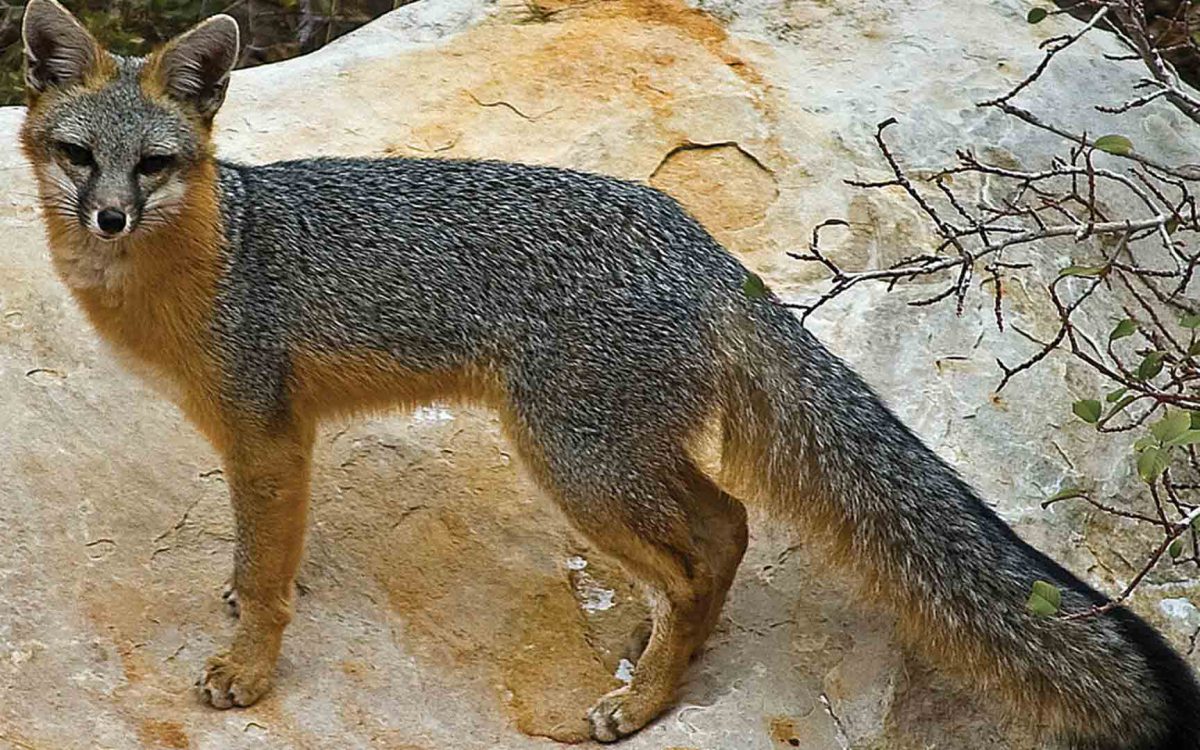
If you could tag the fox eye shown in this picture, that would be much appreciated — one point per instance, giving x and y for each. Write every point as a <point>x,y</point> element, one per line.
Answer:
<point>155,164</point>
<point>78,155</point>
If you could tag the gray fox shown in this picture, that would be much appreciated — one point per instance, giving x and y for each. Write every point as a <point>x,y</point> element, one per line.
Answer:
<point>614,336</point>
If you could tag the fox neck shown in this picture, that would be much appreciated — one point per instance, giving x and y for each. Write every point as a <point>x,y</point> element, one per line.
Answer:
<point>150,294</point>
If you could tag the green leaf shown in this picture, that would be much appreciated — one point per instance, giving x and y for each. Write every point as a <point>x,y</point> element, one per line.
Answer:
<point>1176,548</point>
<point>1067,493</point>
<point>1150,366</point>
<point>1115,144</point>
<point>1152,463</point>
<point>1195,420</point>
<point>1191,437</point>
<point>1144,442</point>
<point>1087,409</point>
<point>754,287</point>
<point>1115,394</point>
<point>1083,271</point>
<point>1044,599</point>
<point>1037,15</point>
<point>1194,349</point>
<point>1171,426</point>
<point>1190,321</point>
<point>1120,405</point>
<point>1124,328</point>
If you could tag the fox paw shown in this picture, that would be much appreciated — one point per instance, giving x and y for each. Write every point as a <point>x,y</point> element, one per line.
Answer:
<point>621,713</point>
<point>230,597</point>
<point>226,682</point>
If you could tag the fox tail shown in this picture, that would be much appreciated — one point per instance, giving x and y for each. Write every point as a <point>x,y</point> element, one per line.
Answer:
<point>824,453</point>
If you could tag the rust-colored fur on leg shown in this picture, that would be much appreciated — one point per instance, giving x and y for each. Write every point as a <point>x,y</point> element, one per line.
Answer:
<point>268,473</point>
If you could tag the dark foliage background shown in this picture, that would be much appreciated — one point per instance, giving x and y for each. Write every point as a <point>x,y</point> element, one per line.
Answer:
<point>271,29</point>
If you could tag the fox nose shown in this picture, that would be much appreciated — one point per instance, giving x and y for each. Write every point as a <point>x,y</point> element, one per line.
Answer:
<point>111,220</point>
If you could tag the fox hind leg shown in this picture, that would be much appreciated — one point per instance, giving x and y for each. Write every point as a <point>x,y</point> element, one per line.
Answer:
<point>717,522</point>
<point>688,574</point>
<point>670,528</point>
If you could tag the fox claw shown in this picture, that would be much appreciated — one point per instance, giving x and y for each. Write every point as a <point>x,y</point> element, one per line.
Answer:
<point>225,683</point>
<point>621,713</point>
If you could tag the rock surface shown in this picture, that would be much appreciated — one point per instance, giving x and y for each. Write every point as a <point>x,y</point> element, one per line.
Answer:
<point>444,603</point>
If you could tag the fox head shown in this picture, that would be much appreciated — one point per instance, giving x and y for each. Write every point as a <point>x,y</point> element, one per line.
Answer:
<point>115,141</point>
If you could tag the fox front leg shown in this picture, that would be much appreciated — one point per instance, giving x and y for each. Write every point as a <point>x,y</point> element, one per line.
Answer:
<point>268,481</point>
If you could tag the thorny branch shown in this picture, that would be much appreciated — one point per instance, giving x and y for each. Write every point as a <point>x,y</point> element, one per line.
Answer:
<point>1131,223</point>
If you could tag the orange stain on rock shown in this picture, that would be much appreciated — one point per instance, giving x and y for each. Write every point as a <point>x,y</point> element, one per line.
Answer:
<point>153,733</point>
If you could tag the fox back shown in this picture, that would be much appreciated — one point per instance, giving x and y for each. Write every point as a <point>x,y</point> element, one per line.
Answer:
<point>429,269</point>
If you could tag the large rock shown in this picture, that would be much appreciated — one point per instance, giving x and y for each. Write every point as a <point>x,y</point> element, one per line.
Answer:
<point>445,603</point>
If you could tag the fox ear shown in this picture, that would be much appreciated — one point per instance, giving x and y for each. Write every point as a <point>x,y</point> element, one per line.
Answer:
<point>59,52</point>
<point>194,67</point>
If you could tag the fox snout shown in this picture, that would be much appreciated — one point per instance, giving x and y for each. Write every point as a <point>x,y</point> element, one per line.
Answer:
<point>111,221</point>
<point>107,205</point>
<point>109,211</point>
